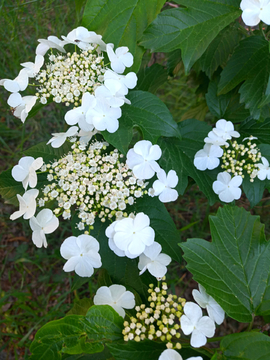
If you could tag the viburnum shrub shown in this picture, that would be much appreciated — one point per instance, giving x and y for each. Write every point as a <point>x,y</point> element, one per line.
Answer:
<point>121,156</point>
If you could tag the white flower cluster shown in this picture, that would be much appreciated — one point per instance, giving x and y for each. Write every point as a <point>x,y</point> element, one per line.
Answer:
<point>238,160</point>
<point>255,11</point>
<point>160,320</point>
<point>77,78</point>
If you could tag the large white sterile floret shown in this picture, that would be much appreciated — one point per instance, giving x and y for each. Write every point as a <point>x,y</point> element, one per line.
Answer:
<point>154,261</point>
<point>20,83</point>
<point>133,235</point>
<point>214,139</point>
<point>128,81</point>
<point>208,157</point>
<point>142,159</point>
<point>33,68</point>
<point>25,171</point>
<point>83,38</point>
<point>206,301</point>
<point>51,43</point>
<point>116,296</point>
<point>170,354</point>
<point>120,59</point>
<point>255,11</point>
<point>110,232</point>
<point>227,188</point>
<point>264,169</point>
<point>44,223</point>
<point>81,254</point>
<point>193,322</point>
<point>225,130</point>
<point>21,105</point>
<point>58,139</point>
<point>163,187</point>
<point>27,204</point>
<point>111,94</point>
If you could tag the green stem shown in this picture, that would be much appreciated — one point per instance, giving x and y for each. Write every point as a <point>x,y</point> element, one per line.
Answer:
<point>219,338</point>
<point>251,324</point>
<point>261,29</point>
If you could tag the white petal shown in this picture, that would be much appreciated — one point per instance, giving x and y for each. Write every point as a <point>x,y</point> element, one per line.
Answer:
<point>197,339</point>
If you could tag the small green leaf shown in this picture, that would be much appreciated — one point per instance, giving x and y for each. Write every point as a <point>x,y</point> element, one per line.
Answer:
<point>246,346</point>
<point>191,29</point>
<point>217,104</point>
<point>9,188</point>
<point>151,78</point>
<point>234,268</point>
<point>253,190</point>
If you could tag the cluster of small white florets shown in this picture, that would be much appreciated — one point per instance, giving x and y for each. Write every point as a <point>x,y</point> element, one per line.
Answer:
<point>238,160</point>
<point>95,181</point>
<point>77,78</point>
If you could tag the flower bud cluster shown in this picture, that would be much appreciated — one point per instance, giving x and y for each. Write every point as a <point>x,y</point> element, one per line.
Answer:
<point>67,77</point>
<point>158,321</point>
<point>93,181</point>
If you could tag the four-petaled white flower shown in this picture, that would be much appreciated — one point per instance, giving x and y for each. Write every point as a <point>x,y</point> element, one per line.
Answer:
<point>254,11</point>
<point>206,301</point>
<point>128,81</point>
<point>153,261</point>
<point>193,322</point>
<point>163,187</point>
<point>20,83</point>
<point>33,68</point>
<point>83,38</point>
<point>214,139</point>
<point>227,188</point>
<point>142,159</point>
<point>264,169</point>
<point>225,130</point>
<point>133,235</point>
<point>27,204</point>
<point>44,223</point>
<point>21,105</point>
<point>25,171</point>
<point>170,354</point>
<point>120,59</point>
<point>58,139</point>
<point>116,296</point>
<point>82,255</point>
<point>51,43</point>
<point>208,157</point>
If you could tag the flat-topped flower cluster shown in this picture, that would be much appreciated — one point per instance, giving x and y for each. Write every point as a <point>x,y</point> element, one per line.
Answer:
<point>237,159</point>
<point>77,78</point>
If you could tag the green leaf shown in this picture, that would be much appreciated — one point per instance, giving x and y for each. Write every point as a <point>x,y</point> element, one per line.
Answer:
<point>151,78</point>
<point>250,63</point>
<point>148,113</point>
<point>246,346</point>
<point>217,104</point>
<point>174,62</point>
<point>234,268</point>
<point>191,29</point>
<point>47,152</point>
<point>121,22</point>
<point>219,50</point>
<point>80,307</point>
<point>254,190</point>
<point>9,188</point>
<point>76,334</point>
<point>104,355</point>
<point>257,128</point>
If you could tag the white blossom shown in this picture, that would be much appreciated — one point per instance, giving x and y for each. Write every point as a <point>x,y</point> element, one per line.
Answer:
<point>264,169</point>
<point>208,157</point>
<point>225,130</point>
<point>120,59</point>
<point>51,43</point>
<point>193,322</point>
<point>206,301</point>
<point>44,223</point>
<point>84,38</point>
<point>250,138</point>
<point>27,204</point>
<point>227,188</point>
<point>58,139</point>
<point>154,261</point>
<point>214,139</point>
<point>21,105</point>
<point>111,93</point>
<point>255,11</point>
<point>116,296</point>
<point>82,254</point>
<point>25,171</point>
<point>33,68</point>
<point>20,83</point>
<point>128,81</point>
<point>163,187</point>
<point>170,354</point>
<point>142,159</point>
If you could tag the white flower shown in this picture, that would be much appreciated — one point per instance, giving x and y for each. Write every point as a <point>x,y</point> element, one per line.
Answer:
<point>25,171</point>
<point>254,11</point>
<point>206,301</point>
<point>214,139</point>
<point>128,81</point>
<point>20,83</point>
<point>116,296</point>
<point>170,354</point>
<point>82,254</point>
<point>264,169</point>
<point>132,235</point>
<point>225,130</point>
<point>153,261</point>
<point>120,59</point>
<point>208,157</point>
<point>21,105</point>
<point>33,68</point>
<point>227,188</point>
<point>86,136</point>
<point>111,94</point>
<point>51,43</point>
<point>27,204</point>
<point>141,159</point>
<point>193,322</point>
<point>163,186</point>
<point>250,138</point>
<point>83,38</point>
<point>110,234</point>
<point>58,139</point>
<point>44,223</point>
